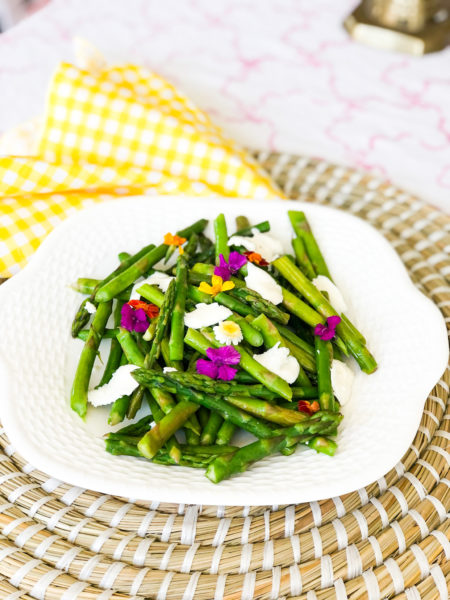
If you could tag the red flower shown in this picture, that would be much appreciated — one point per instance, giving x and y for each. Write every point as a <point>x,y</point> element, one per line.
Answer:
<point>307,407</point>
<point>151,310</point>
<point>256,258</point>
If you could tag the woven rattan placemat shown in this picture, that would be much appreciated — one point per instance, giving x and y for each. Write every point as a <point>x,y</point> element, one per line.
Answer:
<point>388,540</point>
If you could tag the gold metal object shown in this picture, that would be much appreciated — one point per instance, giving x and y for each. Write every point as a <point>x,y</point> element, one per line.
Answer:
<point>411,26</point>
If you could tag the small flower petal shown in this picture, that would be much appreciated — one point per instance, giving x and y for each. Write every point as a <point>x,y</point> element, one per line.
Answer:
<point>223,272</point>
<point>227,285</point>
<point>206,288</point>
<point>226,373</point>
<point>206,367</point>
<point>333,321</point>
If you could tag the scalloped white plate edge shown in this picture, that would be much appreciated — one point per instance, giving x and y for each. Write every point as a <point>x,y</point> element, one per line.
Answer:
<point>51,466</point>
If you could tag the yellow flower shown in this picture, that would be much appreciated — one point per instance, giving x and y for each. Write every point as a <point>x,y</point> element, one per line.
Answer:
<point>218,285</point>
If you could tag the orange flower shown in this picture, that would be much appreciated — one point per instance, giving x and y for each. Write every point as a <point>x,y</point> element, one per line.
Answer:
<point>305,406</point>
<point>151,310</point>
<point>174,240</point>
<point>218,285</point>
<point>256,258</point>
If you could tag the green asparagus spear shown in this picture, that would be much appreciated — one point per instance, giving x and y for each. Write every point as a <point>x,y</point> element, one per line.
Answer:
<point>302,258</point>
<point>211,428</point>
<point>154,439</point>
<point>260,304</point>
<point>290,272</point>
<point>228,412</point>
<point>323,360</point>
<point>162,324</point>
<point>303,231</point>
<point>115,351</point>
<point>225,433</point>
<point>323,445</point>
<point>78,397</point>
<point>176,349</point>
<point>266,410</point>
<point>221,238</point>
<point>242,223</point>
<point>251,335</point>
<point>108,334</point>
<point>225,466</point>
<point>135,402</point>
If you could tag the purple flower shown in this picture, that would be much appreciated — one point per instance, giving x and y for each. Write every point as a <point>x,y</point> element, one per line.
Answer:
<point>133,320</point>
<point>328,331</point>
<point>217,367</point>
<point>227,269</point>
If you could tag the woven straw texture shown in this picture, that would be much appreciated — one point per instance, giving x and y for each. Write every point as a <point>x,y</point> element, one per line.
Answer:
<point>388,540</point>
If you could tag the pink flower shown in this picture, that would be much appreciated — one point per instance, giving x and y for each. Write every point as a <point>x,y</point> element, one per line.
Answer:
<point>328,331</point>
<point>227,269</point>
<point>133,320</point>
<point>218,365</point>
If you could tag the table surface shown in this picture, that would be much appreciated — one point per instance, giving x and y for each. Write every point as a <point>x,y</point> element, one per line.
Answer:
<point>275,74</point>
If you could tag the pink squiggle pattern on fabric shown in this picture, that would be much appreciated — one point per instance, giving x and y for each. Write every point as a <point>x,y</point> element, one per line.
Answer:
<point>279,75</point>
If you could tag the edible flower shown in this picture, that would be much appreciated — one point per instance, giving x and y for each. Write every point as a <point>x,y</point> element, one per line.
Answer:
<point>228,332</point>
<point>217,285</point>
<point>218,365</point>
<point>135,315</point>
<point>227,269</point>
<point>307,407</point>
<point>256,258</point>
<point>174,240</point>
<point>328,331</point>
<point>151,310</point>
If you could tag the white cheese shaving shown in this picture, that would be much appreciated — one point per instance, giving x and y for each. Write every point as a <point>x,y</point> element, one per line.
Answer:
<point>162,280</point>
<point>262,243</point>
<point>91,308</point>
<point>205,315</point>
<point>324,284</point>
<point>120,384</point>
<point>263,283</point>
<point>341,381</point>
<point>157,278</point>
<point>278,360</point>
<point>169,369</point>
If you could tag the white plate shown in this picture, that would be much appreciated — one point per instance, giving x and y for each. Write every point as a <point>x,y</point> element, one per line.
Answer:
<point>405,331</point>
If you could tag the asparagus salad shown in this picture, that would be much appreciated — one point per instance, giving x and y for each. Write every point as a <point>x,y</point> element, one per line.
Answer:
<point>218,336</point>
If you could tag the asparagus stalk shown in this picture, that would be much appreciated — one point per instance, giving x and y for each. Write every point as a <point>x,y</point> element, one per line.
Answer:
<point>135,402</point>
<point>154,439</point>
<point>323,445</point>
<point>108,334</point>
<point>301,283</point>
<point>295,339</point>
<point>251,335</point>
<point>161,325</point>
<point>225,466</point>
<point>130,347</point>
<point>267,411</point>
<point>175,364</point>
<point>176,347</point>
<point>119,410</point>
<point>115,351</point>
<point>211,429</point>
<point>242,223</point>
<point>228,411</point>
<point>225,433</point>
<point>323,360</point>
<point>302,258</point>
<point>152,294</point>
<point>221,238</point>
<point>260,304</point>
<point>78,397</point>
<point>303,231</point>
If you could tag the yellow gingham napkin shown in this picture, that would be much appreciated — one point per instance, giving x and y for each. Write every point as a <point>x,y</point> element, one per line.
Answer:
<point>112,132</point>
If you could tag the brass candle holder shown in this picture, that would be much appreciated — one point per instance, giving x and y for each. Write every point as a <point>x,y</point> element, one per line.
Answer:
<point>410,26</point>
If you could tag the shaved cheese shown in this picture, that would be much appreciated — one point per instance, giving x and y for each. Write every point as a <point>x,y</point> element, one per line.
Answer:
<point>262,243</point>
<point>120,384</point>
<point>324,284</point>
<point>341,381</point>
<point>91,308</point>
<point>162,280</point>
<point>169,369</point>
<point>263,283</point>
<point>205,315</point>
<point>158,278</point>
<point>279,361</point>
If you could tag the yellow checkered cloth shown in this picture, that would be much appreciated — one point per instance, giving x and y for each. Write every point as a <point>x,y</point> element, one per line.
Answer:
<point>119,131</point>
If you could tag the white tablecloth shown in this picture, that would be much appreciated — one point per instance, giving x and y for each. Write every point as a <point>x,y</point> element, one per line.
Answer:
<point>275,74</point>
